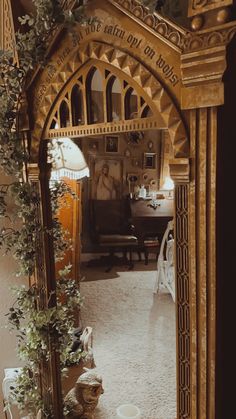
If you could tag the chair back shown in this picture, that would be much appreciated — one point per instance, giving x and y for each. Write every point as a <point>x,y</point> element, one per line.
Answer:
<point>109,216</point>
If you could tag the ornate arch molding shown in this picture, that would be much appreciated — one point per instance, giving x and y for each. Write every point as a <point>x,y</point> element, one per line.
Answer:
<point>164,105</point>
<point>161,26</point>
<point>123,125</point>
<point>153,88</point>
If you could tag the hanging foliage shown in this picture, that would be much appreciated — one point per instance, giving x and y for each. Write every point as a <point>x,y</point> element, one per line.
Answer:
<point>20,233</point>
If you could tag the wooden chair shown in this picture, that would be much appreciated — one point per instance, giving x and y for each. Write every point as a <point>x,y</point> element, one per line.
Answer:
<point>165,262</point>
<point>112,229</point>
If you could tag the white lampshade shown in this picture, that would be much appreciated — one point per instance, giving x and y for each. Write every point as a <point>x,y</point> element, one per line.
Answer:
<point>67,160</point>
<point>168,184</point>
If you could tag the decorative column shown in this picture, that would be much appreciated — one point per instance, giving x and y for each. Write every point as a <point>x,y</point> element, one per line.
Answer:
<point>203,63</point>
<point>195,190</point>
<point>203,138</point>
<point>50,376</point>
<point>179,172</point>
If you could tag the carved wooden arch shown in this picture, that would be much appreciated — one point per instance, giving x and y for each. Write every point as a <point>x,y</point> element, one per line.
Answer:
<point>84,71</point>
<point>179,169</point>
<point>133,68</point>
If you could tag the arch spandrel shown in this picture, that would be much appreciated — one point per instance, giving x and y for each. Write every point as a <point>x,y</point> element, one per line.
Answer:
<point>128,33</point>
<point>159,57</point>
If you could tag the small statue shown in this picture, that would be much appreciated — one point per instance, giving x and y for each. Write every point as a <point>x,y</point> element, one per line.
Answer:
<point>82,399</point>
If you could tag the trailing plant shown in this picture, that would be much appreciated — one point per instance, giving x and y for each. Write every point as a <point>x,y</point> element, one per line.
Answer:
<point>33,326</point>
<point>21,230</point>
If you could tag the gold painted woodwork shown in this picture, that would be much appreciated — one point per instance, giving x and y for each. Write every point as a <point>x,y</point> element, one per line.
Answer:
<point>7,32</point>
<point>150,86</point>
<point>203,65</point>
<point>194,172</point>
<point>106,128</point>
<point>49,384</point>
<point>203,134</point>
<point>146,83</point>
<point>163,28</point>
<point>209,38</point>
<point>130,79</point>
<point>202,96</point>
<point>180,173</point>
<point>204,6</point>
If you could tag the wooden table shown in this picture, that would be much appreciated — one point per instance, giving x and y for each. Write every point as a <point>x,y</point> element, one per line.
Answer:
<point>150,223</point>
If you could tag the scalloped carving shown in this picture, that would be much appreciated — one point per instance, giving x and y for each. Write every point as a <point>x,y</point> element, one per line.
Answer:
<point>126,4</point>
<point>162,28</point>
<point>175,38</point>
<point>231,34</point>
<point>150,20</point>
<point>153,88</point>
<point>208,39</point>
<point>215,38</point>
<point>138,11</point>
<point>154,21</point>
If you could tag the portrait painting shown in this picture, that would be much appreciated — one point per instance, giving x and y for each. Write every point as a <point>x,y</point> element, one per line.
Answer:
<point>149,161</point>
<point>106,179</point>
<point>111,144</point>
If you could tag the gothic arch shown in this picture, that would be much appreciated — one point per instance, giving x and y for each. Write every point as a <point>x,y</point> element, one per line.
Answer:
<point>119,59</point>
<point>164,106</point>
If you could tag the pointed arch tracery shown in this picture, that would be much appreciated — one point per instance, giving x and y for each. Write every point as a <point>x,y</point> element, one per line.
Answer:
<point>117,63</point>
<point>107,95</point>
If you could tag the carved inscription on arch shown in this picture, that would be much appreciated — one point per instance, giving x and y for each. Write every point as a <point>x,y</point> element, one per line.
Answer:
<point>46,93</point>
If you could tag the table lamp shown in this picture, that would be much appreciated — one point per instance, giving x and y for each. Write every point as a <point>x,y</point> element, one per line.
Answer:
<point>67,160</point>
<point>168,186</point>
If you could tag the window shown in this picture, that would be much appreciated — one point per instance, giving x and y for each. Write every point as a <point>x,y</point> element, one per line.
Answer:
<point>131,104</point>
<point>94,89</point>
<point>113,99</point>
<point>77,106</point>
<point>64,115</point>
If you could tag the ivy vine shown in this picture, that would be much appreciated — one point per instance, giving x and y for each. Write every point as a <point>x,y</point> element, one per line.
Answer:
<point>33,326</point>
<point>20,230</point>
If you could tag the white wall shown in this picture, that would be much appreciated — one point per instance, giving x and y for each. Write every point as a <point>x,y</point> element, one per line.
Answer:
<point>8,343</point>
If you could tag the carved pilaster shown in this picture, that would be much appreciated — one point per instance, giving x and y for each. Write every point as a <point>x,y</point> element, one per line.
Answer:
<point>179,172</point>
<point>7,32</point>
<point>203,131</point>
<point>33,177</point>
<point>45,279</point>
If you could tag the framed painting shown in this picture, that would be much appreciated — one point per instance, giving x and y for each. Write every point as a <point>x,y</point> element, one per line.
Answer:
<point>149,160</point>
<point>106,178</point>
<point>111,144</point>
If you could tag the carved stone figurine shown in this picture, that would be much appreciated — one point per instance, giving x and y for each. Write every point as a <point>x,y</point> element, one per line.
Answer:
<point>83,398</point>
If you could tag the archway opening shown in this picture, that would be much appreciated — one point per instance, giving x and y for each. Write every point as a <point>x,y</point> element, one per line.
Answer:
<point>147,116</point>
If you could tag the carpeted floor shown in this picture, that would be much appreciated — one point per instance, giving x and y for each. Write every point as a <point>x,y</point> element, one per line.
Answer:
<point>134,340</point>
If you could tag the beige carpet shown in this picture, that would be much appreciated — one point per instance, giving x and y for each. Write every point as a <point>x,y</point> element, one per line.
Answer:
<point>134,340</point>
